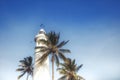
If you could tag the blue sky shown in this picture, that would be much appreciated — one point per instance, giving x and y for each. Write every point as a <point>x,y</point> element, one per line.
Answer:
<point>92,26</point>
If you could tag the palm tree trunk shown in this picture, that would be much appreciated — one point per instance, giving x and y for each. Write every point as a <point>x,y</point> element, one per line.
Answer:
<point>53,67</point>
<point>27,76</point>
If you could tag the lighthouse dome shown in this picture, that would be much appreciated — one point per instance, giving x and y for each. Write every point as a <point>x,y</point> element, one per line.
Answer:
<point>40,35</point>
<point>42,31</point>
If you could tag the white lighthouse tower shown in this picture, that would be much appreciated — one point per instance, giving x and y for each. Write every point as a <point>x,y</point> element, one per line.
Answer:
<point>41,72</point>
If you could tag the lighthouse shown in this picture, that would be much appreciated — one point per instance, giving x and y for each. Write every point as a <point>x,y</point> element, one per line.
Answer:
<point>41,72</point>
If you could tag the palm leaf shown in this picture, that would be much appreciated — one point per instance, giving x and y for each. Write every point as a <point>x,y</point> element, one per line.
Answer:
<point>20,69</point>
<point>73,62</point>
<point>22,65</point>
<point>63,71</point>
<point>58,36</point>
<point>21,75</point>
<point>30,60</point>
<point>26,61</point>
<point>22,62</point>
<point>80,77</point>
<point>64,66</point>
<point>40,47</point>
<point>63,78</point>
<point>59,68</point>
<point>79,67</point>
<point>57,60</point>
<point>43,58</point>
<point>65,50</point>
<point>62,44</point>
<point>62,56</point>
<point>53,37</point>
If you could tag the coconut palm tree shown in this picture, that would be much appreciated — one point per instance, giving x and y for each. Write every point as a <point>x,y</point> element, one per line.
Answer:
<point>26,66</point>
<point>54,48</point>
<point>69,70</point>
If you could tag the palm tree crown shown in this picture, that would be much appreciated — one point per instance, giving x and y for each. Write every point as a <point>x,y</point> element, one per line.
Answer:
<point>69,70</point>
<point>54,48</point>
<point>25,67</point>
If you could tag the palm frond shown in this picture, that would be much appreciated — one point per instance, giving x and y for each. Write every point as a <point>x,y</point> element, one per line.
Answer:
<point>62,56</point>
<point>63,71</point>
<point>63,77</point>
<point>29,59</point>
<point>43,50</point>
<point>62,44</point>
<point>73,62</point>
<point>20,69</point>
<point>57,60</point>
<point>59,68</point>
<point>80,77</point>
<point>58,36</point>
<point>21,75</point>
<point>65,50</point>
<point>68,61</point>
<point>26,62</point>
<point>23,62</point>
<point>40,47</point>
<point>43,58</point>
<point>53,38</point>
<point>64,66</point>
<point>79,67</point>
<point>22,65</point>
<point>73,65</point>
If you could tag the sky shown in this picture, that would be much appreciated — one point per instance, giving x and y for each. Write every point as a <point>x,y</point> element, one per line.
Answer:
<point>92,26</point>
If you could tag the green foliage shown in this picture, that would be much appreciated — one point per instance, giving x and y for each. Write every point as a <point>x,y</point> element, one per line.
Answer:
<point>69,70</point>
<point>53,48</point>
<point>25,67</point>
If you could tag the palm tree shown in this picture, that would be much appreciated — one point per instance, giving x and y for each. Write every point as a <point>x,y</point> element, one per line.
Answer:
<point>69,70</point>
<point>54,48</point>
<point>25,67</point>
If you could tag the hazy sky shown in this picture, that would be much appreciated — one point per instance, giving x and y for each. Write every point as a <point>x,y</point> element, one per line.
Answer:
<point>92,26</point>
